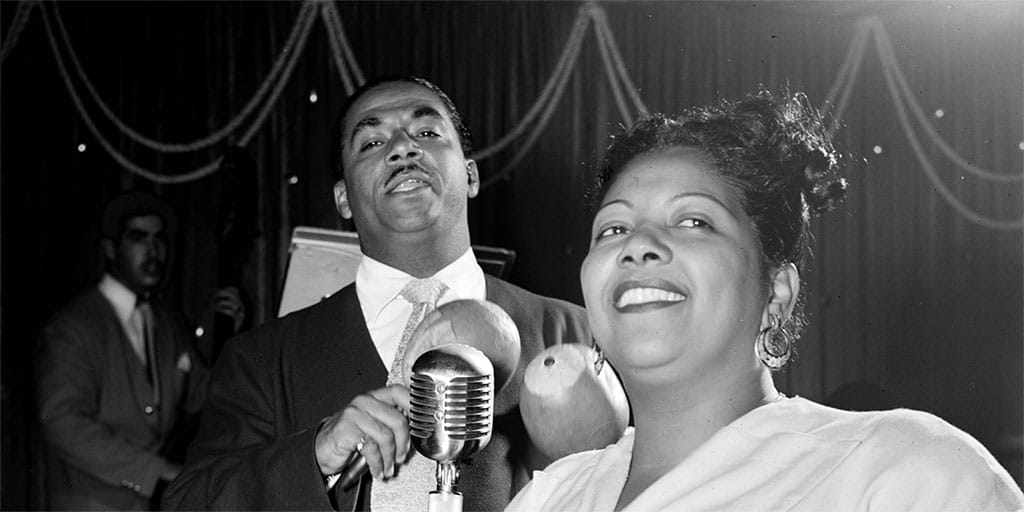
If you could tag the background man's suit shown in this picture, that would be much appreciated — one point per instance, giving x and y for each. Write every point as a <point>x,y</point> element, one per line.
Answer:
<point>274,385</point>
<point>104,451</point>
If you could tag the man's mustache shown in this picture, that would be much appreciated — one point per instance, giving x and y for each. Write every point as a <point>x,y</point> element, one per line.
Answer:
<point>404,169</point>
<point>152,265</point>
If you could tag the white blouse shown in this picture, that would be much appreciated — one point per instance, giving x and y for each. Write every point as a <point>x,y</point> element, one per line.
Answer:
<point>795,454</point>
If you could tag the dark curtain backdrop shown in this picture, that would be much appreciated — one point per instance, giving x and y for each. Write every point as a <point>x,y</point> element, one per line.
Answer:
<point>904,292</point>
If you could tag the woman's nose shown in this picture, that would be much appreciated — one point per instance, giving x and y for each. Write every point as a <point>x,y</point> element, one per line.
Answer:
<point>644,247</point>
<point>404,147</point>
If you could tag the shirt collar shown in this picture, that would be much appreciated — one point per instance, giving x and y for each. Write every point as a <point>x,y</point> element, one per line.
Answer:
<point>119,296</point>
<point>378,284</point>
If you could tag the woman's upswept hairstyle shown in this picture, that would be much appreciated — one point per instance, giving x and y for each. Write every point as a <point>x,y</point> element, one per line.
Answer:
<point>773,150</point>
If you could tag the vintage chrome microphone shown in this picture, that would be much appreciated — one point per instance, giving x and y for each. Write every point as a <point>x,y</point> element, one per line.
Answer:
<point>451,415</point>
<point>479,324</point>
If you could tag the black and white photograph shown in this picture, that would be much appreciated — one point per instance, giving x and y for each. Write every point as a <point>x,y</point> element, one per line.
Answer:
<point>512,255</point>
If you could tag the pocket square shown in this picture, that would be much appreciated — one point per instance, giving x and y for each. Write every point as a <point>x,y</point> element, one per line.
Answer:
<point>184,363</point>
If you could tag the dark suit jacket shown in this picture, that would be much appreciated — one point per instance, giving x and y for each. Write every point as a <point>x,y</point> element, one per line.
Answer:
<point>104,451</point>
<point>273,386</point>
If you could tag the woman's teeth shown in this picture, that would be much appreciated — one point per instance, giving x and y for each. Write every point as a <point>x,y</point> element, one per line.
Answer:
<point>636,296</point>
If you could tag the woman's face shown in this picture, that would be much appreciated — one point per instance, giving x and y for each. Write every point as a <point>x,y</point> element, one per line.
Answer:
<point>672,282</point>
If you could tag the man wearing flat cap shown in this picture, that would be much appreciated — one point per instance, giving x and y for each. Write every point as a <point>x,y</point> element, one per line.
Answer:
<point>117,375</point>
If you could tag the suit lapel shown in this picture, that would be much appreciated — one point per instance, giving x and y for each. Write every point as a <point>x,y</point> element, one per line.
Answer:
<point>357,347</point>
<point>333,357</point>
<point>498,293</point>
<point>171,385</point>
<point>122,353</point>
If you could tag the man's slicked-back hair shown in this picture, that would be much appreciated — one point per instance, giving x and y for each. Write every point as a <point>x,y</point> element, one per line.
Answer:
<point>338,129</point>
<point>135,203</point>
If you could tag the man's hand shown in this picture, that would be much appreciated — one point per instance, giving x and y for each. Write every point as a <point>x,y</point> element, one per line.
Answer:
<point>170,471</point>
<point>378,420</point>
<point>228,301</point>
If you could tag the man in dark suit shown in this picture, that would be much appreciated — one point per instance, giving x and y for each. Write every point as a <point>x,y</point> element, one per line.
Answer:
<point>291,401</point>
<point>117,374</point>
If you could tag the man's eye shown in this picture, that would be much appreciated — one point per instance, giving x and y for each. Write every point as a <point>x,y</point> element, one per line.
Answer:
<point>611,231</point>
<point>370,144</point>
<point>429,134</point>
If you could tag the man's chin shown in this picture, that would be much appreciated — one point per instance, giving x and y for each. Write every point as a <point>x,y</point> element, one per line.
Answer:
<point>413,226</point>
<point>412,216</point>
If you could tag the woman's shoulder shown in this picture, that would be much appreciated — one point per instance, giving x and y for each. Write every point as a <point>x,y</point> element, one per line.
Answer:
<point>917,452</point>
<point>924,443</point>
<point>586,480</point>
<point>895,428</point>
<point>588,461</point>
<point>895,431</point>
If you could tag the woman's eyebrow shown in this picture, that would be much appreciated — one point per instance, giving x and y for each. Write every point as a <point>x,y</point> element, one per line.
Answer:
<point>624,202</point>
<point>709,197</point>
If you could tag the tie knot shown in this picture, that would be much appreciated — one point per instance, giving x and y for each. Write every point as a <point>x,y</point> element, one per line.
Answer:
<point>419,291</point>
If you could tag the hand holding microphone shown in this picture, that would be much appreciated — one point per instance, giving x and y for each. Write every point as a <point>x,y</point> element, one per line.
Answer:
<point>372,428</point>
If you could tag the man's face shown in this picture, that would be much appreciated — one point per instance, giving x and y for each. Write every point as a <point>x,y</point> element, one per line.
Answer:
<point>138,257</point>
<point>404,170</point>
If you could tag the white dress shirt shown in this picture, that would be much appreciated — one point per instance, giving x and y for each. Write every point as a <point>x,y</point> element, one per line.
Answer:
<point>123,300</point>
<point>386,312</point>
<point>378,287</point>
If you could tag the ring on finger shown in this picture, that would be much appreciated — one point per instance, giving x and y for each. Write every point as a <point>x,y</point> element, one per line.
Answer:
<point>360,444</point>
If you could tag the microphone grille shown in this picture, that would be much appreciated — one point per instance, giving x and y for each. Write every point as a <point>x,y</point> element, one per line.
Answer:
<point>452,399</point>
<point>460,406</point>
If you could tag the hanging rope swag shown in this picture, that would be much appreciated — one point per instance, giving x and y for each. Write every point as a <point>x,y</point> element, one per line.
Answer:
<point>251,117</point>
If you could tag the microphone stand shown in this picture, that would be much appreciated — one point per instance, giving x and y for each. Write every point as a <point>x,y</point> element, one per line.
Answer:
<point>446,498</point>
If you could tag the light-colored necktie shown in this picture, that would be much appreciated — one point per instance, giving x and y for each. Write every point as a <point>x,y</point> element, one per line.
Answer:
<point>423,294</point>
<point>137,325</point>
<point>144,343</point>
<point>409,489</point>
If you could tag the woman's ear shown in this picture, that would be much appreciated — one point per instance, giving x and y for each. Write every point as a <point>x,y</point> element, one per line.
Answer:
<point>785,289</point>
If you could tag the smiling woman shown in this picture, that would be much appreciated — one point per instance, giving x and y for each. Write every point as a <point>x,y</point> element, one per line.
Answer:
<point>692,287</point>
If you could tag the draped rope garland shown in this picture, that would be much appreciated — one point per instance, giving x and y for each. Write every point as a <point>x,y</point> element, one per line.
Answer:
<point>626,95</point>
<point>304,24</point>
<point>613,61</point>
<point>343,55</point>
<point>548,101</point>
<point>848,71</point>
<point>287,57</point>
<point>21,16</point>
<point>893,77</point>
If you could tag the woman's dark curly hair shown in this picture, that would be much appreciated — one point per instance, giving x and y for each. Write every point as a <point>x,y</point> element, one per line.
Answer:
<point>775,152</point>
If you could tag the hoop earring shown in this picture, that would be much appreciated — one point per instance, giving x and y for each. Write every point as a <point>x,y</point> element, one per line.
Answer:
<point>773,346</point>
